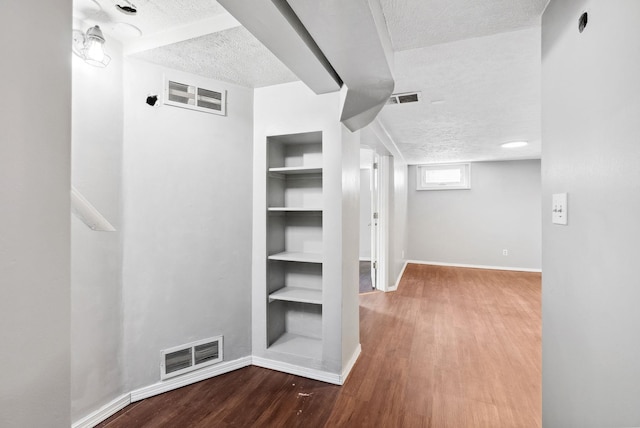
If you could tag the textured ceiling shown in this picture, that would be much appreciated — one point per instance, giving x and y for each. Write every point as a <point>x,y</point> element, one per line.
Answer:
<point>152,17</point>
<point>478,59</point>
<point>476,94</point>
<point>233,56</point>
<point>419,23</point>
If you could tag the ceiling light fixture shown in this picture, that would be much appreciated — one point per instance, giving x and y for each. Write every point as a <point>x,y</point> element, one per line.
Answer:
<point>514,144</point>
<point>90,46</point>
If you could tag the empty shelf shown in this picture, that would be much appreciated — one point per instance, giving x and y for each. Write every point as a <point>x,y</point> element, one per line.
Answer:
<point>297,294</point>
<point>294,209</point>
<point>290,256</point>
<point>293,170</point>
<point>296,344</point>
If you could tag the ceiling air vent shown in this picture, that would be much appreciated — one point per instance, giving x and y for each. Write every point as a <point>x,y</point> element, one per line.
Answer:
<point>193,97</point>
<point>407,97</point>
<point>191,356</point>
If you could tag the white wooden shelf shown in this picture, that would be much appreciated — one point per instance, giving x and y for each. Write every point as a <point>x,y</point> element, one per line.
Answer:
<point>294,209</point>
<point>295,170</point>
<point>294,215</point>
<point>291,256</point>
<point>290,343</point>
<point>297,294</point>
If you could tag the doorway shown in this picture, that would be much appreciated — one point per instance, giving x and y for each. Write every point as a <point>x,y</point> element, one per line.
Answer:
<point>369,230</point>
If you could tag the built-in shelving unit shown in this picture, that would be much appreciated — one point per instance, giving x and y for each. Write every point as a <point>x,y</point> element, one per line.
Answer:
<point>305,235</point>
<point>295,244</point>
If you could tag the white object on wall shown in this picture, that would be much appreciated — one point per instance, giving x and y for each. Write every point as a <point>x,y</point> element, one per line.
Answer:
<point>559,204</point>
<point>88,213</point>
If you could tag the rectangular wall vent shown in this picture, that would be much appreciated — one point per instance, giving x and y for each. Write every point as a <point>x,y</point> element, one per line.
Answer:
<point>195,98</point>
<point>191,356</point>
<point>178,360</point>
<point>407,97</point>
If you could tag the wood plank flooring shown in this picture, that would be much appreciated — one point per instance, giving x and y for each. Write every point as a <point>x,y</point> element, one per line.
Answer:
<point>452,347</point>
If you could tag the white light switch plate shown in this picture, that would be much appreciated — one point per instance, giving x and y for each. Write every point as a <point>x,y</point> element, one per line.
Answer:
<point>559,208</point>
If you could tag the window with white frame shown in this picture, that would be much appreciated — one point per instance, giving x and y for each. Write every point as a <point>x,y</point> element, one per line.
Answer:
<point>444,176</point>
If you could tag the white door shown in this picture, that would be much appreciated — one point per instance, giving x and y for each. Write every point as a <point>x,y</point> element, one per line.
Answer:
<point>375,187</point>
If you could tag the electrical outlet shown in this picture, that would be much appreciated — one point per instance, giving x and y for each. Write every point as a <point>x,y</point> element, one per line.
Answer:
<point>505,252</point>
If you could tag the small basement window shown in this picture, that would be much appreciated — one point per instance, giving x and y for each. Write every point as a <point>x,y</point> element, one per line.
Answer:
<point>444,177</point>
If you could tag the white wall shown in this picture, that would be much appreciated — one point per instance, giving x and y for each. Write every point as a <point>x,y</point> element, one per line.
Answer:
<point>187,215</point>
<point>35,135</point>
<point>398,239</point>
<point>500,211</point>
<point>96,257</point>
<point>350,267</point>
<point>590,286</point>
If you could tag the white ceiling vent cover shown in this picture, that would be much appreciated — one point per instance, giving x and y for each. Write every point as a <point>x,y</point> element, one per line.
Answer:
<point>193,97</point>
<point>192,356</point>
<point>404,98</point>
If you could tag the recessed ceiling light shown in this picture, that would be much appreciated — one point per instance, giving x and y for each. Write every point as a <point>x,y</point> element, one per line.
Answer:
<point>514,144</point>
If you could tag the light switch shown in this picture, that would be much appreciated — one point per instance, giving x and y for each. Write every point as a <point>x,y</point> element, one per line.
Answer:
<point>559,207</point>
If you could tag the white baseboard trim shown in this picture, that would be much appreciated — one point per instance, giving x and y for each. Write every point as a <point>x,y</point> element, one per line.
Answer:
<point>394,287</point>
<point>462,265</point>
<point>365,259</point>
<point>293,369</point>
<point>350,364</point>
<point>104,412</point>
<point>189,378</point>
<point>124,400</point>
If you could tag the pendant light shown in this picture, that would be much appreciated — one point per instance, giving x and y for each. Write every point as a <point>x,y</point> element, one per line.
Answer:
<point>90,46</point>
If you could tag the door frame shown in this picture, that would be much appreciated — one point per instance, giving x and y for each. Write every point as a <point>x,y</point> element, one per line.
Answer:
<point>382,281</point>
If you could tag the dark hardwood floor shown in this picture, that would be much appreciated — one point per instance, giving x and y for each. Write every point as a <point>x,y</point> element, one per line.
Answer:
<point>452,347</point>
